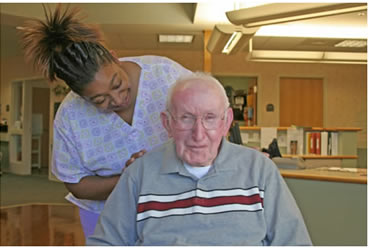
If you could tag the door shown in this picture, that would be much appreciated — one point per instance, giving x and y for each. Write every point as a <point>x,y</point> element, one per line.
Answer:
<point>301,102</point>
<point>20,126</point>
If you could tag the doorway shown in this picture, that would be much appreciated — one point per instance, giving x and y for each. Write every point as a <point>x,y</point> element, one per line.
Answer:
<point>28,113</point>
<point>242,96</point>
<point>40,113</point>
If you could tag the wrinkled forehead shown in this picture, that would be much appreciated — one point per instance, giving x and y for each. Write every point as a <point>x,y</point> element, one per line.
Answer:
<point>197,94</point>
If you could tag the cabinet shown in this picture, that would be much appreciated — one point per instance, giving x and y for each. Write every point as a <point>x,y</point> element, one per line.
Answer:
<point>344,156</point>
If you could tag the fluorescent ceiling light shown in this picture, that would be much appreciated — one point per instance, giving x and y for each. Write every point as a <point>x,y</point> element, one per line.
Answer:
<point>310,30</point>
<point>286,12</point>
<point>175,38</point>
<point>307,56</point>
<point>232,42</point>
<point>229,39</point>
<point>351,43</point>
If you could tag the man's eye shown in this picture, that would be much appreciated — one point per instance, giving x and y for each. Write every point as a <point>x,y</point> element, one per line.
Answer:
<point>186,118</point>
<point>210,118</point>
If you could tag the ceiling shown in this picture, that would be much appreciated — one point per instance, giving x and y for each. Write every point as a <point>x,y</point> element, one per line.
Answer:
<point>136,26</point>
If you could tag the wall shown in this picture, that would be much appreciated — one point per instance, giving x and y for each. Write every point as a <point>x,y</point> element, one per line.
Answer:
<point>345,86</point>
<point>12,68</point>
<point>345,89</point>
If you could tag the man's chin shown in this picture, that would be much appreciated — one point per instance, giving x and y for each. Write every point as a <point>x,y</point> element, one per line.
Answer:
<point>197,162</point>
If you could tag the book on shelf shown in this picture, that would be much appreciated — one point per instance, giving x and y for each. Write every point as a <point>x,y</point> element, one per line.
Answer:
<point>324,143</point>
<point>317,143</point>
<point>334,141</point>
<point>321,143</point>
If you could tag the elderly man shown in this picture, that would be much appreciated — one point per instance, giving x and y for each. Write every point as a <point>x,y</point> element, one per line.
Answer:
<point>199,189</point>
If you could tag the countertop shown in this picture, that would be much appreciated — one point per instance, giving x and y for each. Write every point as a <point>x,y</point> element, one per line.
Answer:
<point>333,174</point>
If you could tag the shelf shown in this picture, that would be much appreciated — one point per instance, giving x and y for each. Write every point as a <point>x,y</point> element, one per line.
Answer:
<point>331,129</point>
<point>342,143</point>
<point>36,151</point>
<point>312,156</point>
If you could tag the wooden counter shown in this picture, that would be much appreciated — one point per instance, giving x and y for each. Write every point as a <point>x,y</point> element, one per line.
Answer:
<point>328,174</point>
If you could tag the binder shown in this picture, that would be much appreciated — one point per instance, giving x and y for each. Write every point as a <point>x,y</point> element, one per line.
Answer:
<point>307,142</point>
<point>312,143</point>
<point>324,143</point>
<point>334,137</point>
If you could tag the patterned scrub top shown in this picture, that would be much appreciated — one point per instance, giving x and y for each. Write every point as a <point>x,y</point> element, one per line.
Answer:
<point>89,142</point>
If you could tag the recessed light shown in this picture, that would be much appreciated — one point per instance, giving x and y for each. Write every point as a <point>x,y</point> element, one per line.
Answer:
<point>175,38</point>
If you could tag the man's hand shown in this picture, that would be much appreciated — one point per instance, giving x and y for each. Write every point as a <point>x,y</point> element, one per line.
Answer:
<point>134,157</point>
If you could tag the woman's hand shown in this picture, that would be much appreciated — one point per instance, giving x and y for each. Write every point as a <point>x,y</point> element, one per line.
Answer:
<point>134,156</point>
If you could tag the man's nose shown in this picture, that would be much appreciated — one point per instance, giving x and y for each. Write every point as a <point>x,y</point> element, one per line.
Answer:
<point>198,130</point>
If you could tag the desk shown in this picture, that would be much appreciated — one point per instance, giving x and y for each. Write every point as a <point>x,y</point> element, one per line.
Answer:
<point>334,204</point>
<point>328,174</point>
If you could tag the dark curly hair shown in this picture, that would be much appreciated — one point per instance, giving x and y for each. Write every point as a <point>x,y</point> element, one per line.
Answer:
<point>65,48</point>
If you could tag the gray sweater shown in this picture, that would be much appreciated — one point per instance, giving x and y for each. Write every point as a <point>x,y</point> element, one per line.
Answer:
<point>242,200</point>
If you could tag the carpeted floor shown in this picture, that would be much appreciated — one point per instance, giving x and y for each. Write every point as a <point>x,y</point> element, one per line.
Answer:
<point>15,190</point>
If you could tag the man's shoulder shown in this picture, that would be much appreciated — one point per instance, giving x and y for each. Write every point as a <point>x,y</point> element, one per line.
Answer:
<point>246,156</point>
<point>155,156</point>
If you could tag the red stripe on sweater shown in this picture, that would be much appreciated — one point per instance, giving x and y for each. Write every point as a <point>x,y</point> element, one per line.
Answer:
<point>198,201</point>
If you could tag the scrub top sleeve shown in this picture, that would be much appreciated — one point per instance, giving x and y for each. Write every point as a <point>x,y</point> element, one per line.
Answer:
<point>67,165</point>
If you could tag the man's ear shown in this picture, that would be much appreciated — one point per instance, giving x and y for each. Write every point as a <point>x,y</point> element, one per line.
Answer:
<point>228,121</point>
<point>165,122</point>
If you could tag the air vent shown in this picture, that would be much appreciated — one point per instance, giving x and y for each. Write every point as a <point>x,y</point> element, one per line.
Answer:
<point>351,43</point>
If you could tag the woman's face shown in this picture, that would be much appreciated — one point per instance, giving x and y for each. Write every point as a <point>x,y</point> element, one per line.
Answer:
<point>110,90</point>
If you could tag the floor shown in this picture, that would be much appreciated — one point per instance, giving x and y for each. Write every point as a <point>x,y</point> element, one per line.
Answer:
<point>41,225</point>
<point>34,212</point>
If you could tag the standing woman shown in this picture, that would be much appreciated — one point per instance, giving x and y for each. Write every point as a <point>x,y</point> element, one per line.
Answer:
<point>110,116</point>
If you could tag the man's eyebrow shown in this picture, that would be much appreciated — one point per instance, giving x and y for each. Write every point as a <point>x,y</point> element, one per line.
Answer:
<point>111,85</point>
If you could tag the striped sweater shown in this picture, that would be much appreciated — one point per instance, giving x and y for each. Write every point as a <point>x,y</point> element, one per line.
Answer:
<point>242,200</point>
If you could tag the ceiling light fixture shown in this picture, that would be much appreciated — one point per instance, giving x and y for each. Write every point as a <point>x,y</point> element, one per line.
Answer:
<point>232,42</point>
<point>229,39</point>
<point>305,56</point>
<point>175,38</point>
<point>286,12</point>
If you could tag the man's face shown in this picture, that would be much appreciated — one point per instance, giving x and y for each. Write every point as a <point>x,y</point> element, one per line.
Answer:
<point>203,106</point>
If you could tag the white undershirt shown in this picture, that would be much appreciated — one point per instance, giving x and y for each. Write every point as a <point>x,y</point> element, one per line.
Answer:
<point>198,172</point>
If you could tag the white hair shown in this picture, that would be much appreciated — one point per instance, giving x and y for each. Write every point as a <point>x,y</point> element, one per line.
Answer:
<point>201,77</point>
